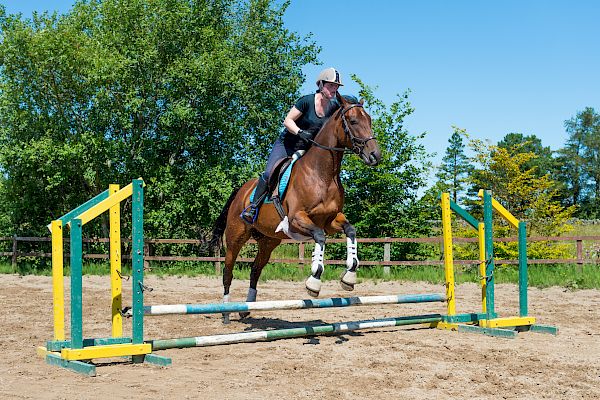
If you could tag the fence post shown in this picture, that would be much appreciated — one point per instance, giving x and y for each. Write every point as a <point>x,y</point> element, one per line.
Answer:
<point>218,262</point>
<point>14,251</point>
<point>301,255</point>
<point>580,256</point>
<point>386,257</point>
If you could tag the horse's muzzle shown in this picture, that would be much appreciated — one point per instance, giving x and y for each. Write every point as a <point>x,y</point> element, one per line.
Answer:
<point>371,158</point>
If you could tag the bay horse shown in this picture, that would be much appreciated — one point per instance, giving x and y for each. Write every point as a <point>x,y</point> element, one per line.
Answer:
<point>313,203</point>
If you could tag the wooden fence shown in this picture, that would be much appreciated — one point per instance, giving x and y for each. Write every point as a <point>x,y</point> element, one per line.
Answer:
<point>589,254</point>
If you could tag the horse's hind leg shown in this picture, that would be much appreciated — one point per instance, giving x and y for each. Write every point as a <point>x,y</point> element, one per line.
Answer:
<point>266,245</point>
<point>234,245</point>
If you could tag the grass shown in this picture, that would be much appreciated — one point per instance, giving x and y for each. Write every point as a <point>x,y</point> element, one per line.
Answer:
<point>569,276</point>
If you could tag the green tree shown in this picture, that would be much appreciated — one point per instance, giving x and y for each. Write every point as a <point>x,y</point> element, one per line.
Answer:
<point>580,162</point>
<point>454,172</point>
<point>187,94</point>
<point>543,162</point>
<point>526,195</point>
<point>587,123</point>
<point>383,200</point>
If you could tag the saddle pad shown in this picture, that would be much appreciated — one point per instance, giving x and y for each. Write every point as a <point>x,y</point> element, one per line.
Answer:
<point>285,178</point>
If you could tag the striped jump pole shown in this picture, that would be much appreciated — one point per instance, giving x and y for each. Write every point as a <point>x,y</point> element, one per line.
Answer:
<point>265,336</point>
<point>290,304</point>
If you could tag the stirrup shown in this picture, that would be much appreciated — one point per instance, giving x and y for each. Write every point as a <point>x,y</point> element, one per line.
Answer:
<point>245,215</point>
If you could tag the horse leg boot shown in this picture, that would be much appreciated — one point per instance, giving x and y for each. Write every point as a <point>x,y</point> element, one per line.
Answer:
<point>348,278</point>
<point>313,283</point>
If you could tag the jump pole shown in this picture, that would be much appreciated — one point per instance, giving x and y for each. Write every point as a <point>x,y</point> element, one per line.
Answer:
<point>290,304</point>
<point>306,331</point>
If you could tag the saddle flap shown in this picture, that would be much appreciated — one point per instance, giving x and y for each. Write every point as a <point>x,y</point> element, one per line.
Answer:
<point>280,177</point>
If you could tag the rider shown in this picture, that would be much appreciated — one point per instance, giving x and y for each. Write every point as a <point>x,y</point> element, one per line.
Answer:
<point>302,122</point>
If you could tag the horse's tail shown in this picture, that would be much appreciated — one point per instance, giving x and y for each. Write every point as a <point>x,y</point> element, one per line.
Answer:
<point>221,223</point>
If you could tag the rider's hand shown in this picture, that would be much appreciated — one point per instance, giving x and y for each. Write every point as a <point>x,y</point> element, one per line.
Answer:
<point>305,135</point>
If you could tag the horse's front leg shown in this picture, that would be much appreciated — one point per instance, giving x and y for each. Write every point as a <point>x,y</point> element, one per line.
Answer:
<point>313,283</point>
<point>348,278</point>
<point>304,224</point>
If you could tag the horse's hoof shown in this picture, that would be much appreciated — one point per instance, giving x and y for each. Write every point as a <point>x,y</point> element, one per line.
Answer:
<point>313,286</point>
<point>348,280</point>
<point>244,314</point>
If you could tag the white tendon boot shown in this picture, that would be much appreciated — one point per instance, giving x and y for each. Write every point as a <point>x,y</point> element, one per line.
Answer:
<point>348,278</point>
<point>313,283</point>
<point>226,315</point>
<point>250,298</point>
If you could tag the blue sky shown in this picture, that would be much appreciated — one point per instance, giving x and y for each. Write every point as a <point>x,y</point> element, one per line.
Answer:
<point>489,67</point>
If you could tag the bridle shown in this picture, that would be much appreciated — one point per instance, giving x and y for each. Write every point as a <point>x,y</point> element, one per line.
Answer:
<point>358,144</point>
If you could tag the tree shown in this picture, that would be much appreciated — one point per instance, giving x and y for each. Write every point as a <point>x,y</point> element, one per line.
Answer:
<point>580,160</point>
<point>454,172</point>
<point>187,94</point>
<point>528,197</point>
<point>543,163</point>
<point>588,121</point>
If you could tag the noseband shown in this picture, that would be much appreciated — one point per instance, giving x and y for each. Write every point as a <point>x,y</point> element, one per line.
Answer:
<point>358,144</point>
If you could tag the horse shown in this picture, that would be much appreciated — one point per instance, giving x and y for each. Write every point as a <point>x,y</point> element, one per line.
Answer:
<point>313,203</point>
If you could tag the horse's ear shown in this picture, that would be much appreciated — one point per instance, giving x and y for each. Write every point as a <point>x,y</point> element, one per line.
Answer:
<point>340,99</point>
<point>362,101</point>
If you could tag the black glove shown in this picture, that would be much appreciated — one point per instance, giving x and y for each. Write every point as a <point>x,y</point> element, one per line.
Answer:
<point>305,135</point>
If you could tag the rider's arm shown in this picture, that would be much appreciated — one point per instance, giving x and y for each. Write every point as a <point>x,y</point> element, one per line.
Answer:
<point>290,120</point>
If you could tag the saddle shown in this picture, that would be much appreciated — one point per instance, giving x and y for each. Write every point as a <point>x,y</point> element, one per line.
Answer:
<point>278,182</point>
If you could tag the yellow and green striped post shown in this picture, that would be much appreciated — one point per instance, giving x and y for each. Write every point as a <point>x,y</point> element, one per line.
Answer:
<point>115,265</point>
<point>489,253</point>
<point>58,290</point>
<point>448,256</point>
<point>76,284</point>
<point>482,272</point>
<point>523,269</point>
<point>137,237</point>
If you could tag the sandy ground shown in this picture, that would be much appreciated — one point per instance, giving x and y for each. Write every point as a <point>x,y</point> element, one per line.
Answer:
<point>406,362</point>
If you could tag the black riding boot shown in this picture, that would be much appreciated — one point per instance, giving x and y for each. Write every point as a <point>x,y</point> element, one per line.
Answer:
<point>251,212</point>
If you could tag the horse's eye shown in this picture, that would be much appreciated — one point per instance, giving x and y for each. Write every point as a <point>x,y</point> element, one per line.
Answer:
<point>353,122</point>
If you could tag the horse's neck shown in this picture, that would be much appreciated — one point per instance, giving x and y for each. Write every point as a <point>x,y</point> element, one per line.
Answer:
<point>326,162</point>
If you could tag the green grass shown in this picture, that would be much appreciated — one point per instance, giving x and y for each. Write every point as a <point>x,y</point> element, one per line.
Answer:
<point>566,275</point>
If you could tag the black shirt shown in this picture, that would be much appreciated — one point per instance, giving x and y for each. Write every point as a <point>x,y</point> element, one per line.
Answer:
<point>309,120</point>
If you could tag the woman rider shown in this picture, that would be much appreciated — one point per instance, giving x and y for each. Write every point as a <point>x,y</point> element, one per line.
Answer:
<point>302,122</point>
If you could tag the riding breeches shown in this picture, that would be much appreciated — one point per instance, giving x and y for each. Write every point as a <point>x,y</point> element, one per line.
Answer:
<point>285,146</point>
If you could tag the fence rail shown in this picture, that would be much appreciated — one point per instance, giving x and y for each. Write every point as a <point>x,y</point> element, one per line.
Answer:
<point>590,255</point>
